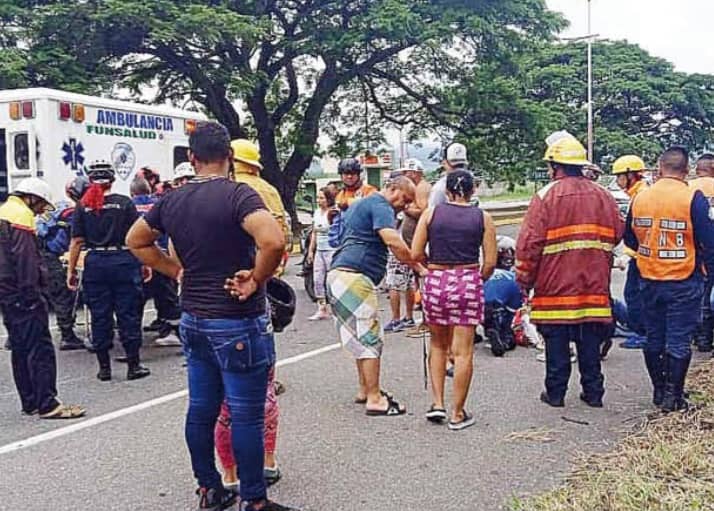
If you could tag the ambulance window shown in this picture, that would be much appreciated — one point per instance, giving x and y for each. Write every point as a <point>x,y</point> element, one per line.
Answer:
<point>180,154</point>
<point>22,151</point>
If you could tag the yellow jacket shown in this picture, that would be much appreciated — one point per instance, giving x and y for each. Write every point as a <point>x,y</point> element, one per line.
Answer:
<point>270,197</point>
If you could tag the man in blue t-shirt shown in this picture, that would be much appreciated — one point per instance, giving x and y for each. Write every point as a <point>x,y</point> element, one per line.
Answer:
<point>357,268</point>
<point>503,298</point>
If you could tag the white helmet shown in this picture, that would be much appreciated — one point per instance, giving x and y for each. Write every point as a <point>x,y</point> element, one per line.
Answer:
<point>414,165</point>
<point>36,187</point>
<point>184,170</point>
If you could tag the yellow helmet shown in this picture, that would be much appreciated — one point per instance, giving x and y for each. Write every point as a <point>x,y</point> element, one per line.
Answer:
<point>628,163</point>
<point>568,151</point>
<point>247,152</point>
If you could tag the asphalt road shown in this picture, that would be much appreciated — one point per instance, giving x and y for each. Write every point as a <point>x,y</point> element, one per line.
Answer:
<point>129,453</point>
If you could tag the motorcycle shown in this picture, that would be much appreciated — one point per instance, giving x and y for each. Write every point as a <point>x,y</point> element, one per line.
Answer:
<point>306,265</point>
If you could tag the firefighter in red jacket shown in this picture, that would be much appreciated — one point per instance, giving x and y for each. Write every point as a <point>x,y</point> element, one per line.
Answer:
<point>564,255</point>
<point>704,182</point>
<point>669,227</point>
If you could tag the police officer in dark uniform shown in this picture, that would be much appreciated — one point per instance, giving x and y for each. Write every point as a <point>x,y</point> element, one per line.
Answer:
<point>669,227</point>
<point>23,280</point>
<point>112,275</point>
<point>54,231</point>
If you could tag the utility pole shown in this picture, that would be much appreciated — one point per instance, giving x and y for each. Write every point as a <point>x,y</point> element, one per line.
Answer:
<point>589,38</point>
<point>590,83</point>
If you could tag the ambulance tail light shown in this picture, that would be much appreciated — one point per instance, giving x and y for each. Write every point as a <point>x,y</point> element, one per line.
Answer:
<point>189,126</point>
<point>28,109</point>
<point>65,111</point>
<point>78,112</point>
<point>15,111</point>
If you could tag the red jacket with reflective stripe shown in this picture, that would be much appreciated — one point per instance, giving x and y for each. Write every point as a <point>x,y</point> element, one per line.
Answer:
<point>564,251</point>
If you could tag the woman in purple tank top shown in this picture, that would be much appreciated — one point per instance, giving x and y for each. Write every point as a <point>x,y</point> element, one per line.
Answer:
<point>456,233</point>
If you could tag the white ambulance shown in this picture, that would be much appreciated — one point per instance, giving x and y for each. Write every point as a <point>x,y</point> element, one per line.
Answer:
<point>53,134</point>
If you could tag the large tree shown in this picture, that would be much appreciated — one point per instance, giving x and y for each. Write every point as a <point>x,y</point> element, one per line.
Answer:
<point>641,105</point>
<point>279,62</point>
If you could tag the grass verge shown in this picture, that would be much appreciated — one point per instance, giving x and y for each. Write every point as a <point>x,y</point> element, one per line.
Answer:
<point>666,464</point>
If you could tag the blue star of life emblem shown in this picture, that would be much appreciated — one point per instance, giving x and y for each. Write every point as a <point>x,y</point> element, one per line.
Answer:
<point>73,154</point>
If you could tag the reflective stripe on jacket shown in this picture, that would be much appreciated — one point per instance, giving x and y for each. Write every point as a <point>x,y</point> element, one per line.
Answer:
<point>564,251</point>
<point>662,223</point>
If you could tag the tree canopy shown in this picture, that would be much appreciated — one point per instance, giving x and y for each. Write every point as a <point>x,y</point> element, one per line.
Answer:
<point>267,67</point>
<point>641,105</point>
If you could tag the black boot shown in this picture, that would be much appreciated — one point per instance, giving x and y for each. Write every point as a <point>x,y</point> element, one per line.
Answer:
<point>136,370</point>
<point>674,387</point>
<point>105,366</point>
<point>704,335</point>
<point>655,367</point>
<point>70,341</point>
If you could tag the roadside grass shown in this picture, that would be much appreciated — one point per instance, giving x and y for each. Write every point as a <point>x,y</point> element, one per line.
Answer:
<point>666,464</point>
<point>521,192</point>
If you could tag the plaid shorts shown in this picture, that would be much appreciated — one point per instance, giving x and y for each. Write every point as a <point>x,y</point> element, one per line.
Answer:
<point>400,277</point>
<point>353,297</point>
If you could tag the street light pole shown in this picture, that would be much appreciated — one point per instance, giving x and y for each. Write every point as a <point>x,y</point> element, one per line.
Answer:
<point>590,84</point>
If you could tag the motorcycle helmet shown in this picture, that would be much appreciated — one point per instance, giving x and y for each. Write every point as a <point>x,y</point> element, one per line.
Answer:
<point>282,303</point>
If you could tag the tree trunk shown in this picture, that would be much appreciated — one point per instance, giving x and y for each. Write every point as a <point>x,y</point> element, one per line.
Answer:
<point>218,104</point>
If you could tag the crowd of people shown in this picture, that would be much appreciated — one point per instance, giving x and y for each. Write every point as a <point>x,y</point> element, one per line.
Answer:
<point>216,238</point>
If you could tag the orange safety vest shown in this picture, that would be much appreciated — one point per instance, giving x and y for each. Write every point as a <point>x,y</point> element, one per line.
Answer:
<point>347,197</point>
<point>662,223</point>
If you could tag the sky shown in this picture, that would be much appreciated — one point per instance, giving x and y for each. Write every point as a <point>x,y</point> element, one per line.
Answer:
<point>677,30</point>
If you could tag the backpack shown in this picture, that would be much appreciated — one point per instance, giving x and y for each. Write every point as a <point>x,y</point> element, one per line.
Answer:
<point>337,231</point>
<point>54,229</point>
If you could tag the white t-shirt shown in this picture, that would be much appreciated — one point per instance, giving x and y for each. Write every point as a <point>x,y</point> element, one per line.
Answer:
<point>438,193</point>
<point>321,225</point>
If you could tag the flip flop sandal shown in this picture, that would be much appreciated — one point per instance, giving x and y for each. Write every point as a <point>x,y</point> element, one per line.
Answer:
<point>385,393</point>
<point>393,408</point>
<point>65,412</point>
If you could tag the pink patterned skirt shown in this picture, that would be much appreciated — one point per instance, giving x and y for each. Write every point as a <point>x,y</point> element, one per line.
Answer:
<point>453,297</point>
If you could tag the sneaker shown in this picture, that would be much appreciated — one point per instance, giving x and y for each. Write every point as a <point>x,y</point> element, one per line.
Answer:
<point>393,326</point>
<point>436,415</point>
<point>71,344</point>
<point>154,326</point>
<point>467,421</point>
<point>215,499</point>
<point>450,371</point>
<point>408,323</point>
<point>634,342</point>
<point>319,316</point>
<point>269,506</point>
<point>170,340</point>
<point>271,475</point>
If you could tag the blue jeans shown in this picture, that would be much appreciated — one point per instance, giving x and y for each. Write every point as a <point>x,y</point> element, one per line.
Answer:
<point>231,358</point>
<point>587,338</point>
<point>672,311</point>
<point>112,285</point>
<point>633,299</point>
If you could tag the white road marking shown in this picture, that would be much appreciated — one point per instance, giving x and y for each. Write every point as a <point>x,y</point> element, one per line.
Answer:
<point>101,419</point>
